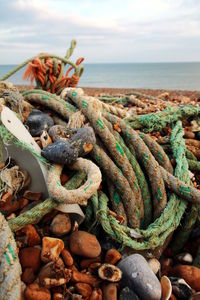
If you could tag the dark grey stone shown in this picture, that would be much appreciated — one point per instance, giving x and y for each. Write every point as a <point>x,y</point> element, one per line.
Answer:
<point>38,121</point>
<point>128,294</point>
<point>180,288</point>
<point>60,152</point>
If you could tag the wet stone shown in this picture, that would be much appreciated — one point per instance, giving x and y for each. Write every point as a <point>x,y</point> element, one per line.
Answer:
<point>60,152</point>
<point>38,121</point>
<point>128,294</point>
<point>138,276</point>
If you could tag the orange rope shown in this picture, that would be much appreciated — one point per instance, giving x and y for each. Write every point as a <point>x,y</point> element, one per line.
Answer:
<point>47,74</point>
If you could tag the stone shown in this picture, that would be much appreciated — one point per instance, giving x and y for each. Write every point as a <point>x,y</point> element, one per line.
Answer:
<point>60,152</point>
<point>110,291</point>
<point>45,139</point>
<point>35,292</point>
<point>190,274</point>
<point>110,273</point>
<point>195,296</point>
<point>58,132</point>
<point>154,264</point>
<point>138,276</point>
<point>185,258</point>
<point>60,225</point>
<point>83,140</point>
<point>28,276</point>
<point>32,237</point>
<point>180,288</point>
<point>9,206</point>
<point>84,289</point>
<point>38,121</point>
<point>30,258</point>
<point>128,294</point>
<point>84,244</point>
<point>68,259</point>
<point>112,256</point>
<point>166,287</point>
<point>33,196</point>
<point>51,249</point>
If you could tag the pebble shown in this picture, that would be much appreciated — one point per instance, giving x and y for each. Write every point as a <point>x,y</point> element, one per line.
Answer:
<point>154,264</point>
<point>110,291</point>
<point>185,258</point>
<point>110,272</point>
<point>60,152</point>
<point>32,237</point>
<point>138,275</point>
<point>128,294</point>
<point>33,196</point>
<point>51,249</point>
<point>84,289</point>
<point>60,225</point>
<point>166,287</point>
<point>28,276</point>
<point>38,121</point>
<point>195,296</point>
<point>190,274</point>
<point>35,292</point>
<point>58,132</point>
<point>84,244</point>
<point>83,140</point>
<point>30,258</point>
<point>180,288</point>
<point>47,270</point>
<point>8,207</point>
<point>112,256</point>
<point>68,259</point>
<point>45,139</point>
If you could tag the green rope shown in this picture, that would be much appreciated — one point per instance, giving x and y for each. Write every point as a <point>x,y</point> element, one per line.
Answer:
<point>130,144</point>
<point>174,209</point>
<point>158,121</point>
<point>34,215</point>
<point>7,138</point>
<point>65,60</point>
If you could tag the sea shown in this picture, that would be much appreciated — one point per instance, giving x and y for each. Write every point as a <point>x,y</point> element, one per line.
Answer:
<point>178,76</point>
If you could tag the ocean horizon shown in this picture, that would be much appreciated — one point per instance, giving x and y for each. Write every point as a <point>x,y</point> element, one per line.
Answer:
<point>165,75</point>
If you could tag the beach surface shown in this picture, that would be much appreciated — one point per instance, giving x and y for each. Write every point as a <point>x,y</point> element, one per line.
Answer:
<point>194,95</point>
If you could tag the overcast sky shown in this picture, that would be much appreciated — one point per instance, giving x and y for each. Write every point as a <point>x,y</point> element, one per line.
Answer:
<point>106,30</point>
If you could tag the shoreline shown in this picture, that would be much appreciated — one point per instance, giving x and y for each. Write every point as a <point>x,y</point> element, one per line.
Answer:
<point>91,91</point>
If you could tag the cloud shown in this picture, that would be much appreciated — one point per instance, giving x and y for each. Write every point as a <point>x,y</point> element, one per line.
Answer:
<point>106,30</point>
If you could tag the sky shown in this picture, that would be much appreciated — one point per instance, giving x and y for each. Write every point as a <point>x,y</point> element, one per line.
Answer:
<point>106,31</point>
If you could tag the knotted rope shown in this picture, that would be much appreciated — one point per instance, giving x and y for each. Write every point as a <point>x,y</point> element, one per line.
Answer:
<point>130,160</point>
<point>48,71</point>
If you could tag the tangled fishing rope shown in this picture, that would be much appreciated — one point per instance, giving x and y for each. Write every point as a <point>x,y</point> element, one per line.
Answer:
<point>128,152</point>
<point>143,187</point>
<point>48,71</point>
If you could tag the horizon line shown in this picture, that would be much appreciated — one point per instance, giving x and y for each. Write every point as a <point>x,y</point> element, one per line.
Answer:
<point>109,63</point>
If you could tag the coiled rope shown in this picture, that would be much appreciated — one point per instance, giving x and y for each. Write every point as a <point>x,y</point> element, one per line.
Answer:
<point>131,161</point>
<point>48,71</point>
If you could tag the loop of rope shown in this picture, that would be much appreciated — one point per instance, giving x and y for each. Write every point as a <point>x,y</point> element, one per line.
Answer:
<point>48,71</point>
<point>83,193</point>
<point>118,155</point>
